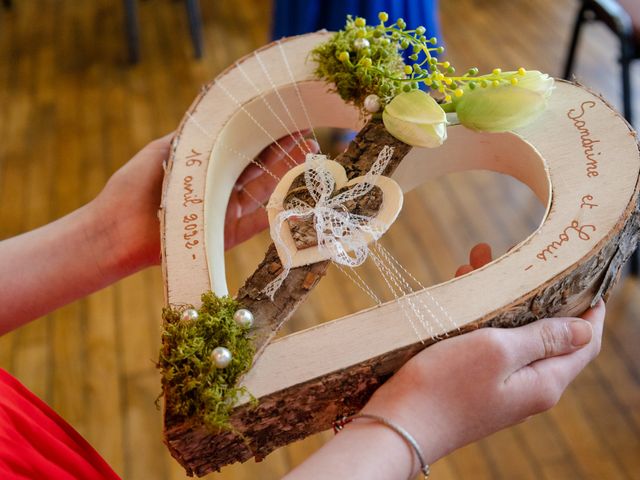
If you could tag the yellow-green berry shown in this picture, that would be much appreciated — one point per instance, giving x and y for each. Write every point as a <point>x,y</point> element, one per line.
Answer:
<point>521,71</point>
<point>514,81</point>
<point>408,70</point>
<point>497,71</point>
<point>343,56</point>
<point>383,16</point>
<point>458,92</point>
<point>360,22</point>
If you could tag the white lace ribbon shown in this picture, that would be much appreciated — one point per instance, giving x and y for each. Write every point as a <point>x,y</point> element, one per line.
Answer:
<point>342,236</point>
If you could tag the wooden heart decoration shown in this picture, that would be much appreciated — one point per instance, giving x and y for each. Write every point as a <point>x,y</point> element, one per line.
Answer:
<point>305,253</point>
<point>580,158</point>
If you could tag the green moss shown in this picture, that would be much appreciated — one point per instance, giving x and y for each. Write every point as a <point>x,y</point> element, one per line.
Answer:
<point>191,381</point>
<point>373,70</point>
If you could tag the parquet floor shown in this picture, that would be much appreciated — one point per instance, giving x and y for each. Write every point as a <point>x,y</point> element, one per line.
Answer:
<point>72,111</point>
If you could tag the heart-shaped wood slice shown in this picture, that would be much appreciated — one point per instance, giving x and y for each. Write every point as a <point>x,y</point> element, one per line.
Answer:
<point>580,158</point>
<point>299,239</point>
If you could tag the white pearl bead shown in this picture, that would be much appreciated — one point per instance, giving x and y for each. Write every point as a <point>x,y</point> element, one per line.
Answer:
<point>360,43</point>
<point>243,317</point>
<point>221,357</point>
<point>189,315</point>
<point>372,103</point>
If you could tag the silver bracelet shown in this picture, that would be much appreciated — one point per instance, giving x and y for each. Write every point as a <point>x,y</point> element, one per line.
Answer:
<point>424,466</point>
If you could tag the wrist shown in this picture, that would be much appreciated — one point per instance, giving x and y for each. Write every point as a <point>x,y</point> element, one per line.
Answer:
<point>99,234</point>
<point>110,249</point>
<point>416,454</point>
<point>417,412</point>
<point>362,449</point>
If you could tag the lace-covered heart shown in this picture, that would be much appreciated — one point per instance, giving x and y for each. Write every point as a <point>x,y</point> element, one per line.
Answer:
<point>345,212</point>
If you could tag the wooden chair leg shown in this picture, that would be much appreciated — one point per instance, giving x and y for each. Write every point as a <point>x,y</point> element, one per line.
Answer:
<point>131,25</point>
<point>580,18</point>
<point>195,26</point>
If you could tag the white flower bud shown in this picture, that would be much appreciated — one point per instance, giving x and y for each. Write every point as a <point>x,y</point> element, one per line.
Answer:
<point>505,107</point>
<point>416,118</point>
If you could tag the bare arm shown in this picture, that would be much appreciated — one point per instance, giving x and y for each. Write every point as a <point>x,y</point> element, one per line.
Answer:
<point>48,267</point>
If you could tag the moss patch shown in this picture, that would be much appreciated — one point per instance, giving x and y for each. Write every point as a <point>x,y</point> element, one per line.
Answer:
<point>190,379</point>
<point>356,73</point>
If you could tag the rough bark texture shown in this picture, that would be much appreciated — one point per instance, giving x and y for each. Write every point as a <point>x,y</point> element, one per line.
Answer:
<point>270,315</point>
<point>300,411</point>
<point>278,420</point>
<point>190,442</point>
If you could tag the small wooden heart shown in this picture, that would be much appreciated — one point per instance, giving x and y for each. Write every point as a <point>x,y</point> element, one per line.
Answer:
<point>299,240</point>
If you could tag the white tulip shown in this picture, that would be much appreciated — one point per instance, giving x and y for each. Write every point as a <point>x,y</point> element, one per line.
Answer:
<point>416,118</point>
<point>505,107</point>
<point>536,81</point>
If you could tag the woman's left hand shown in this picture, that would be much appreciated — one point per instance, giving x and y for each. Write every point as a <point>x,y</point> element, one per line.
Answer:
<point>127,207</point>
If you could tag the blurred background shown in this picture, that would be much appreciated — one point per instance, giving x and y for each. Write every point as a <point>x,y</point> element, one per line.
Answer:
<point>84,85</point>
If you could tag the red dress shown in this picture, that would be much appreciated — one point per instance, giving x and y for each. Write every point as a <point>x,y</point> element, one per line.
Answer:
<point>36,443</point>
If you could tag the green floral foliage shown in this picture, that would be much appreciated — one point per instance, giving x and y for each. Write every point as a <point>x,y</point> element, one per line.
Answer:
<point>362,60</point>
<point>350,69</point>
<point>191,381</point>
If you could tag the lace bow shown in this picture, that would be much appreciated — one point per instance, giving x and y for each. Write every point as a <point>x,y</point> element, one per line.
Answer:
<point>342,236</point>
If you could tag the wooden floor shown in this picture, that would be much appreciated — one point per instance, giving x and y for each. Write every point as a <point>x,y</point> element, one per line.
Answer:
<point>72,111</point>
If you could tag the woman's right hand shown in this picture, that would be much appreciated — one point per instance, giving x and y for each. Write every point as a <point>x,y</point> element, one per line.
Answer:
<point>460,390</point>
<point>467,387</point>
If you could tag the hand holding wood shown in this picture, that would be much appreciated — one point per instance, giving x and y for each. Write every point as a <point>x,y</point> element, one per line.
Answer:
<point>467,387</point>
<point>128,204</point>
<point>461,390</point>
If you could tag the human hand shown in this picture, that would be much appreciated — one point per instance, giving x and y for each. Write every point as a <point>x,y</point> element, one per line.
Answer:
<point>245,216</point>
<point>467,387</point>
<point>479,256</point>
<point>126,211</point>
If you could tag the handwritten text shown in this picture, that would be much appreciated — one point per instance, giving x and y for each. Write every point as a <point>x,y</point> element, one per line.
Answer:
<point>588,143</point>
<point>579,231</point>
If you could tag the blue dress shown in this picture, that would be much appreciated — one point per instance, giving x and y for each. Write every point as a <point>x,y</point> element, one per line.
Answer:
<point>294,17</point>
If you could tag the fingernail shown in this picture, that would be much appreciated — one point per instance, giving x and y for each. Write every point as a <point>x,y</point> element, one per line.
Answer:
<point>581,332</point>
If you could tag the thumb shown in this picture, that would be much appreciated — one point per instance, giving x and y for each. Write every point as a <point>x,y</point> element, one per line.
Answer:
<point>550,337</point>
